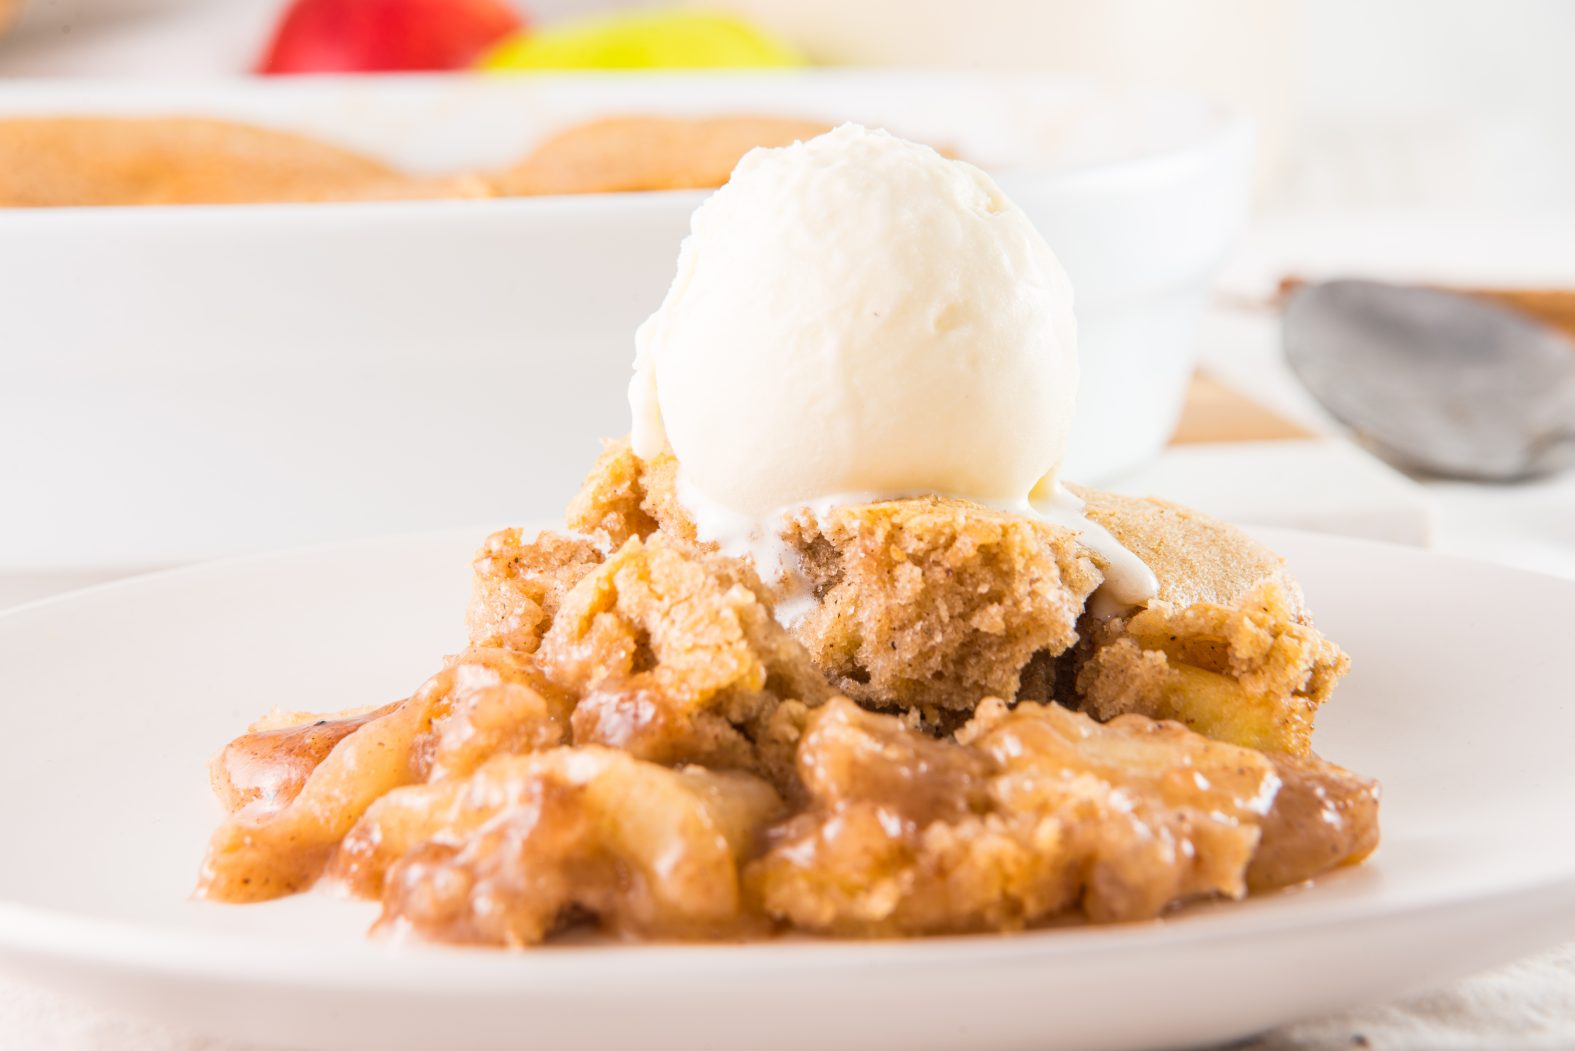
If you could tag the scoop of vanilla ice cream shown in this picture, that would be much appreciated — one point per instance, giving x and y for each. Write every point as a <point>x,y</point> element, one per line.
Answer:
<point>858,314</point>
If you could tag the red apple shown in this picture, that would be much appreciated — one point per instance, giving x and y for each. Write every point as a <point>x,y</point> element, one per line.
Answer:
<point>375,36</point>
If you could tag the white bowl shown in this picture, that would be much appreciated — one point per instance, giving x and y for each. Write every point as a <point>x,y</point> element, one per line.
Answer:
<point>182,382</point>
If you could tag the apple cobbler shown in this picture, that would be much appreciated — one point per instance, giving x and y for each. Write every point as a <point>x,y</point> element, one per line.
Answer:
<point>825,646</point>
<point>86,161</point>
<point>947,740</point>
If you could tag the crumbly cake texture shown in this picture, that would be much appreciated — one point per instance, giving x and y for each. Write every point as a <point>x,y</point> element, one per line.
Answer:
<point>676,658</point>
<point>927,605</point>
<point>631,739</point>
<point>625,496</point>
<point>1249,673</point>
<point>931,604</point>
<point>519,583</point>
<point>1228,646</point>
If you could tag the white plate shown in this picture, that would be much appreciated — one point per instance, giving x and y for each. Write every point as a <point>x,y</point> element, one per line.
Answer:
<point>115,698</point>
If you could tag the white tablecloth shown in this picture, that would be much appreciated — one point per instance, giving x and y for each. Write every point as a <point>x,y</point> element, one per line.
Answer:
<point>1529,1006</point>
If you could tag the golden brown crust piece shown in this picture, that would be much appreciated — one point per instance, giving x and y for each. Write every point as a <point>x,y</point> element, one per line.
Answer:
<point>923,604</point>
<point>86,161</point>
<point>625,496</point>
<point>618,154</point>
<point>933,603</point>
<point>1252,674</point>
<point>1196,558</point>
<point>675,658</point>
<point>930,604</point>
<point>1228,647</point>
<point>518,585</point>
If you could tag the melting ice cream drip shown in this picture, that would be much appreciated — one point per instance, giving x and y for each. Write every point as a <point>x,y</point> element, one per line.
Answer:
<point>763,541</point>
<point>1129,582</point>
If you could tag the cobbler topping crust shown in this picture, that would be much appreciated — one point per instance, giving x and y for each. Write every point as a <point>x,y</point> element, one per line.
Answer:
<point>1252,673</point>
<point>932,603</point>
<point>519,584</point>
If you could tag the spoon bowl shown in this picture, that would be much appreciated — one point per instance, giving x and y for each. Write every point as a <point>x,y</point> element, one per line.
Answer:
<point>1437,381</point>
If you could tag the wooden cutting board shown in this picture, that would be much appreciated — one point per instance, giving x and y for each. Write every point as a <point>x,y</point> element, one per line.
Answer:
<point>1243,462</point>
<point>1216,413</point>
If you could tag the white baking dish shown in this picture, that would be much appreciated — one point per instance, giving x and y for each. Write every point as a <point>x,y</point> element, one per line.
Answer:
<point>180,382</point>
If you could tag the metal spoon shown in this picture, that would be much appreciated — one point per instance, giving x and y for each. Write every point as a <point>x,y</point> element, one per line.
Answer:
<point>1438,381</point>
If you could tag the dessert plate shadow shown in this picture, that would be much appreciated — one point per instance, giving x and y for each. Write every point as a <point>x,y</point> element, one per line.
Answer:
<point>115,698</point>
